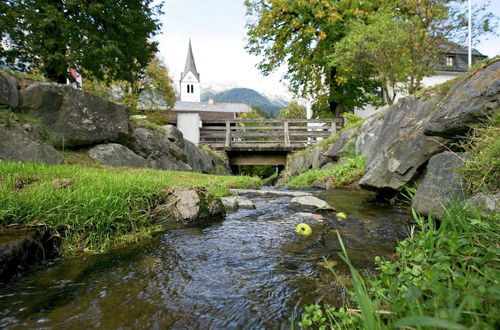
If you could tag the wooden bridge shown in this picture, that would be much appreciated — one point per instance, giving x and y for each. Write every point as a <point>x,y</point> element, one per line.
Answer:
<point>265,142</point>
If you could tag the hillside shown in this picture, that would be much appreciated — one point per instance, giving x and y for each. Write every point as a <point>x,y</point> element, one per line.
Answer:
<point>247,96</point>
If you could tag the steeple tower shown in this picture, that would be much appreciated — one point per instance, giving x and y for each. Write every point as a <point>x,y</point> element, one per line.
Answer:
<point>190,79</point>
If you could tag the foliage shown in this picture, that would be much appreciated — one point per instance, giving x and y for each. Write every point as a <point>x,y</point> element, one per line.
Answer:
<point>100,206</point>
<point>352,120</point>
<point>442,276</point>
<point>345,172</point>
<point>293,110</point>
<point>481,171</point>
<point>152,88</point>
<point>303,34</point>
<point>107,38</point>
<point>254,114</point>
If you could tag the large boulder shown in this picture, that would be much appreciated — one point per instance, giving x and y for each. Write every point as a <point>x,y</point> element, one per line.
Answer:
<point>341,143</point>
<point>368,134</point>
<point>21,142</point>
<point>441,184</point>
<point>165,148</point>
<point>78,117</point>
<point>205,161</point>
<point>116,155</point>
<point>154,145</point>
<point>415,129</point>
<point>189,207</point>
<point>8,90</point>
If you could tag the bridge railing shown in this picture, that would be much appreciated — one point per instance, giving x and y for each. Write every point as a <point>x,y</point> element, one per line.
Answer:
<point>272,133</point>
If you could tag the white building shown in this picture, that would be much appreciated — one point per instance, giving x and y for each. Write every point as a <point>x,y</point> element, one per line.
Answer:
<point>454,64</point>
<point>191,112</point>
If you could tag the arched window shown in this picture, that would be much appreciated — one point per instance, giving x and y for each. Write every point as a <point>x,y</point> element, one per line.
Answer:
<point>192,88</point>
<point>188,88</point>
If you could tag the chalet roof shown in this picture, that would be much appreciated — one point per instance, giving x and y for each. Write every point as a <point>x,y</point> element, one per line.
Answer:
<point>207,107</point>
<point>190,65</point>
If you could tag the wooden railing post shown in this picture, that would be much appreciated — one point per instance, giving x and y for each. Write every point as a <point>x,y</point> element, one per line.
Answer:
<point>287,134</point>
<point>334,127</point>
<point>228,134</point>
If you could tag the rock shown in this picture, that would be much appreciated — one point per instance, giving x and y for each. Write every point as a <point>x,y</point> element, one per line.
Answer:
<point>164,148</point>
<point>441,184</point>
<point>116,155</point>
<point>489,203</point>
<point>21,143</point>
<point>189,206</point>
<point>415,129</point>
<point>174,135</point>
<point>78,117</point>
<point>204,161</point>
<point>232,203</point>
<point>468,102</point>
<point>368,134</point>
<point>8,90</point>
<point>313,202</point>
<point>244,203</point>
<point>271,192</point>
<point>341,143</point>
<point>22,248</point>
<point>153,145</point>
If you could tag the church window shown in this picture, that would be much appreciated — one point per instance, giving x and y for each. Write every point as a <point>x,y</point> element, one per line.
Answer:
<point>192,88</point>
<point>188,89</point>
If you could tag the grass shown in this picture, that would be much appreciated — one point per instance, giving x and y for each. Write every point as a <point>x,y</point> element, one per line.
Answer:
<point>481,171</point>
<point>344,173</point>
<point>444,276</point>
<point>99,207</point>
<point>28,76</point>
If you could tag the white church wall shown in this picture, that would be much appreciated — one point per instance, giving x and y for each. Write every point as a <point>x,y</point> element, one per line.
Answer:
<point>195,94</point>
<point>188,124</point>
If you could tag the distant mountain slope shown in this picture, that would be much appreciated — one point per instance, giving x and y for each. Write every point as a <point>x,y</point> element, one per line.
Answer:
<point>247,96</point>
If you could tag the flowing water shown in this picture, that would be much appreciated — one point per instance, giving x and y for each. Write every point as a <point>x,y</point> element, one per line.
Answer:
<point>248,271</point>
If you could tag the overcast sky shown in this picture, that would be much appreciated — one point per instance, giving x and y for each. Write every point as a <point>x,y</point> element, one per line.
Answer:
<point>217,31</point>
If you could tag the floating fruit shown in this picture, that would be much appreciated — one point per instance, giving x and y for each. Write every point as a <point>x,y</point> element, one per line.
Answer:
<point>341,216</point>
<point>303,229</point>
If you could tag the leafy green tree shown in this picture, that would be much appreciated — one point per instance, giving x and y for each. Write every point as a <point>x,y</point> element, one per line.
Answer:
<point>108,38</point>
<point>152,88</point>
<point>293,110</point>
<point>303,34</point>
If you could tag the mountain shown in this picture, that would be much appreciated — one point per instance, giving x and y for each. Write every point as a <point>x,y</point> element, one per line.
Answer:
<point>247,96</point>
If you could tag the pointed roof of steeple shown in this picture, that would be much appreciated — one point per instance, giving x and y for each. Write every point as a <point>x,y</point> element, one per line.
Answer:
<point>190,65</point>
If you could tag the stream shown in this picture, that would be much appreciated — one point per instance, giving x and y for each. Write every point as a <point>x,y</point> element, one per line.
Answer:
<point>249,271</point>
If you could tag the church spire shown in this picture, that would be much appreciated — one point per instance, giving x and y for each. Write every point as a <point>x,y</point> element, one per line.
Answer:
<point>190,65</point>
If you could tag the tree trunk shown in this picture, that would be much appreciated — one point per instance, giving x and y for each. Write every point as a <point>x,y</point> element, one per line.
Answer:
<point>336,108</point>
<point>56,65</point>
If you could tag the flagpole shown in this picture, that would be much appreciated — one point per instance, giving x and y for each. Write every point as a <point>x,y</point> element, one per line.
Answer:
<point>470,33</point>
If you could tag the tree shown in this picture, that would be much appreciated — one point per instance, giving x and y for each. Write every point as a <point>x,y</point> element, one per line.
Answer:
<point>293,111</point>
<point>151,89</point>
<point>303,34</point>
<point>107,38</point>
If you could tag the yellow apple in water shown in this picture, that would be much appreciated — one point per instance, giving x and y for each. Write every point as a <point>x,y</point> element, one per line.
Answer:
<point>303,229</point>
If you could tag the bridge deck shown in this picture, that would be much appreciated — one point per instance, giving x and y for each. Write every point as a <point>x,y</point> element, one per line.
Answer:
<point>285,135</point>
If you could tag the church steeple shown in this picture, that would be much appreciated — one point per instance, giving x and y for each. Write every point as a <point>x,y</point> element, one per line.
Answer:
<point>190,79</point>
<point>190,65</point>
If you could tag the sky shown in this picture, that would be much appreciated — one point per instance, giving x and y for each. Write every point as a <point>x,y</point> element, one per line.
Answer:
<point>218,36</point>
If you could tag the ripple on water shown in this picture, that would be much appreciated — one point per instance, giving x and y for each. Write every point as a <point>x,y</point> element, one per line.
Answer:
<point>249,271</point>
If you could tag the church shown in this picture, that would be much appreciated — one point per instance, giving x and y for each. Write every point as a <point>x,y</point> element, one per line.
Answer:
<point>190,112</point>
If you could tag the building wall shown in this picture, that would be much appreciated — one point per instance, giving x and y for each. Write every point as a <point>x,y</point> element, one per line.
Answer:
<point>195,96</point>
<point>189,125</point>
